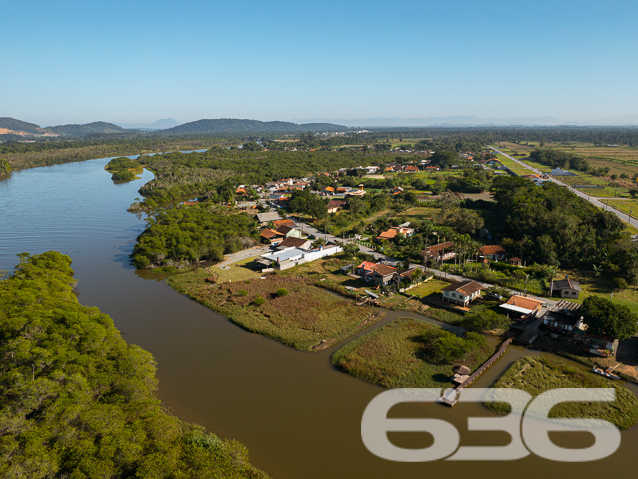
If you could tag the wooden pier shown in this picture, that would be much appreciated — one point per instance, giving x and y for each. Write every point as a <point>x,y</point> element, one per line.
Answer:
<point>451,395</point>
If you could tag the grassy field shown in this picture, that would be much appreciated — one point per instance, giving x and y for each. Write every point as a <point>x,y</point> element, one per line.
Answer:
<point>536,375</point>
<point>602,285</point>
<point>620,160</point>
<point>391,357</point>
<point>626,206</point>
<point>305,317</point>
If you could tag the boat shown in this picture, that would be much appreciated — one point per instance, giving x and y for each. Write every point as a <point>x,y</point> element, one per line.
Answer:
<point>604,374</point>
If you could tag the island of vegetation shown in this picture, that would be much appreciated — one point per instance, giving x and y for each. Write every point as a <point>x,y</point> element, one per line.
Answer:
<point>77,401</point>
<point>123,169</point>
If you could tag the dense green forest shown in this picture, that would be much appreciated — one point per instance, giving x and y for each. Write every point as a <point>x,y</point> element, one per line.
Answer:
<point>183,235</point>
<point>55,152</point>
<point>95,128</point>
<point>560,159</point>
<point>77,401</point>
<point>214,174</point>
<point>241,127</point>
<point>551,225</point>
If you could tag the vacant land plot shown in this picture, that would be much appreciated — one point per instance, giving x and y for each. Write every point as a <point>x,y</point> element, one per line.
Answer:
<point>289,309</point>
<point>536,375</point>
<point>392,357</point>
<point>626,206</point>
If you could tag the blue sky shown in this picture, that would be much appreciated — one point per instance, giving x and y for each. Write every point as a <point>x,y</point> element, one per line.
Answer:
<point>139,61</point>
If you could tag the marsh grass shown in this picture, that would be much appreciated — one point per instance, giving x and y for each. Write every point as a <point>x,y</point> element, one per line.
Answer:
<point>391,357</point>
<point>307,318</point>
<point>537,374</point>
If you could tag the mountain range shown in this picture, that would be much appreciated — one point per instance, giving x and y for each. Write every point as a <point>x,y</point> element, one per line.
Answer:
<point>473,121</point>
<point>12,129</point>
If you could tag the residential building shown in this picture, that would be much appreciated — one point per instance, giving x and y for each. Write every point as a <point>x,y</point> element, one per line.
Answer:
<point>522,308</point>
<point>563,317</point>
<point>394,231</point>
<point>567,288</point>
<point>264,218</point>
<point>290,257</point>
<point>289,231</point>
<point>439,252</point>
<point>463,292</point>
<point>382,274</point>
<point>516,262</point>
<point>365,269</point>
<point>292,242</point>
<point>335,205</point>
<point>286,222</point>
<point>493,252</point>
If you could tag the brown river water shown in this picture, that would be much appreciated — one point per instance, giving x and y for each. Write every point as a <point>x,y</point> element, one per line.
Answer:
<point>299,417</point>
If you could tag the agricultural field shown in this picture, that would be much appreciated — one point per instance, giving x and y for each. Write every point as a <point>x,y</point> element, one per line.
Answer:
<point>626,206</point>
<point>394,357</point>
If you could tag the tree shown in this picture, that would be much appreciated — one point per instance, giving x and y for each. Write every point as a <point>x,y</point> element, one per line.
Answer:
<point>467,221</point>
<point>350,250</point>
<point>486,320</point>
<point>603,317</point>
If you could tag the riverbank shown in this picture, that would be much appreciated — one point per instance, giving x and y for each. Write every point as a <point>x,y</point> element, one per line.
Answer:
<point>399,355</point>
<point>32,155</point>
<point>289,309</point>
<point>536,375</point>
<point>77,401</point>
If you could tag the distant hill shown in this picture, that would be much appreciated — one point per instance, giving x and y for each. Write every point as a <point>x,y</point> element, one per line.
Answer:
<point>98,127</point>
<point>19,127</point>
<point>158,125</point>
<point>229,125</point>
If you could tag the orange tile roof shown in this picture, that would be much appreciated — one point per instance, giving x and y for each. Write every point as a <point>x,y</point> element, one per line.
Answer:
<point>388,235</point>
<point>384,269</point>
<point>492,249</point>
<point>524,302</point>
<point>368,265</point>
<point>268,233</point>
<point>285,222</point>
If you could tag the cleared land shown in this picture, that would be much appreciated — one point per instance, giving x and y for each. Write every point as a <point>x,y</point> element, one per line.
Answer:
<point>391,357</point>
<point>536,375</point>
<point>304,316</point>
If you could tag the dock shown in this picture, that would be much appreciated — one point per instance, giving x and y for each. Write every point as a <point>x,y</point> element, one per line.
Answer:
<point>451,395</point>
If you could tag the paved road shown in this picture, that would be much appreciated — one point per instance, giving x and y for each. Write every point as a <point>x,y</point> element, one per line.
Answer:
<point>397,263</point>
<point>595,201</point>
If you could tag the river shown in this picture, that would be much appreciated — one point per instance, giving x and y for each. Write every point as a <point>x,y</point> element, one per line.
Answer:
<point>298,416</point>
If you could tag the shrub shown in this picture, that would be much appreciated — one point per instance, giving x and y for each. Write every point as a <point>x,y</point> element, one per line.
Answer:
<point>242,292</point>
<point>258,301</point>
<point>281,292</point>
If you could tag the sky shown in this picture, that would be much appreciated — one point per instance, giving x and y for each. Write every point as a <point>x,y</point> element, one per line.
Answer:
<point>138,61</point>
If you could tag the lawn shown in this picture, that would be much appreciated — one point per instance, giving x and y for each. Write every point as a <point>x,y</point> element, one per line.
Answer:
<point>239,271</point>
<point>536,375</point>
<point>391,357</point>
<point>602,285</point>
<point>305,316</point>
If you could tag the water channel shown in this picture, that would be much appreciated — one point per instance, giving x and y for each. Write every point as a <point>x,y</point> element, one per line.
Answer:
<point>298,416</point>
